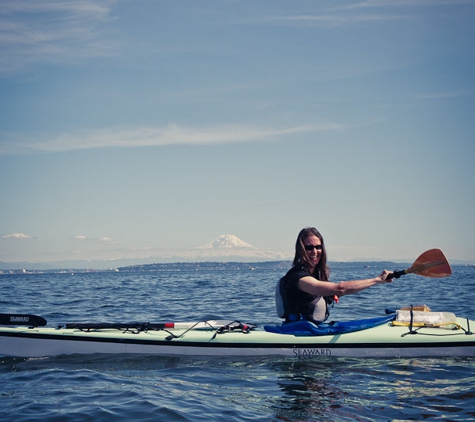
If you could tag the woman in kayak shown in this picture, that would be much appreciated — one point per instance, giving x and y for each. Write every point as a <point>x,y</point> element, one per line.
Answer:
<point>305,292</point>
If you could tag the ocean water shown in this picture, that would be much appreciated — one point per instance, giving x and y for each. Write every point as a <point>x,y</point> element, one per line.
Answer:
<point>151,388</point>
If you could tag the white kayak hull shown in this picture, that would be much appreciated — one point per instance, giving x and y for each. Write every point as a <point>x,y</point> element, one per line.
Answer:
<point>385,340</point>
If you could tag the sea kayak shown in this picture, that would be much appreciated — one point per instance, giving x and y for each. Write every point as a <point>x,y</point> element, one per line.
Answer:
<point>398,335</point>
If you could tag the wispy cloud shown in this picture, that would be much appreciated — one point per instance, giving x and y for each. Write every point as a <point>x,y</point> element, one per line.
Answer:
<point>103,240</point>
<point>107,239</point>
<point>153,136</point>
<point>443,95</point>
<point>405,3</point>
<point>363,12</point>
<point>51,31</point>
<point>333,19</point>
<point>16,236</point>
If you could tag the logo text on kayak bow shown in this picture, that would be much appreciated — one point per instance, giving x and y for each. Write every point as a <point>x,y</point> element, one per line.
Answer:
<point>304,353</point>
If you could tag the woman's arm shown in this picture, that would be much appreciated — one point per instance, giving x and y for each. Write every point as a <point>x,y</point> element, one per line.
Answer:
<point>324,288</point>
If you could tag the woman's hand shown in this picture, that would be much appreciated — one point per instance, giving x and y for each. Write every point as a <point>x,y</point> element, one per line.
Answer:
<point>384,277</point>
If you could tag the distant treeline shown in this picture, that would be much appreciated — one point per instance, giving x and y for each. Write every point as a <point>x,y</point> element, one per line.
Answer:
<point>208,266</point>
<point>281,266</point>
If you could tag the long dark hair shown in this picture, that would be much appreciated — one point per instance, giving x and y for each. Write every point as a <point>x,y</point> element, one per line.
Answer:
<point>322,271</point>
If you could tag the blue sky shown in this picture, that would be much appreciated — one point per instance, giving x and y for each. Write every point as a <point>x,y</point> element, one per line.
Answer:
<point>132,128</point>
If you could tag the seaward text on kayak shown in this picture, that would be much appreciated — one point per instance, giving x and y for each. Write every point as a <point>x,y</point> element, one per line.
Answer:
<point>304,353</point>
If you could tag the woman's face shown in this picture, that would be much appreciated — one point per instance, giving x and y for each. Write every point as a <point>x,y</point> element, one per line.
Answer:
<point>314,249</point>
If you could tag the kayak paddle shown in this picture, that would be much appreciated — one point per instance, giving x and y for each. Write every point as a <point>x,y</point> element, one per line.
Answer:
<point>431,263</point>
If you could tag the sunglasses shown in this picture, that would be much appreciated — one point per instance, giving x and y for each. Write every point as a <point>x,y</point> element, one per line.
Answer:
<point>311,247</point>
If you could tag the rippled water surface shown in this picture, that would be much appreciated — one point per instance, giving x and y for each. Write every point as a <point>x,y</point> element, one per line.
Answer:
<point>124,388</point>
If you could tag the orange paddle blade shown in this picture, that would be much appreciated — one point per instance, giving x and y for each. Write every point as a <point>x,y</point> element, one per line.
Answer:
<point>431,263</point>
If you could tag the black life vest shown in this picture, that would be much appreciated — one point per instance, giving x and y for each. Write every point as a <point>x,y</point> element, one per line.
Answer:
<point>294,304</point>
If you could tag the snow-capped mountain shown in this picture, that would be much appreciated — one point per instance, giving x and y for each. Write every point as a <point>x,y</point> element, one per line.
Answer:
<point>227,241</point>
<point>229,247</point>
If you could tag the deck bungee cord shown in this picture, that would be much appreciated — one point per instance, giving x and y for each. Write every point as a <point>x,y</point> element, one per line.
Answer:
<point>138,327</point>
<point>417,317</point>
<point>231,327</point>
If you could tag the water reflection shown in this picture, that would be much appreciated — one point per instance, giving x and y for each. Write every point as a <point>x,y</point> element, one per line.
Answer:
<point>352,389</point>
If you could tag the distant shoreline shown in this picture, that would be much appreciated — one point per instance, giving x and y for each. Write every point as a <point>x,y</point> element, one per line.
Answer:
<point>191,266</point>
<point>207,266</point>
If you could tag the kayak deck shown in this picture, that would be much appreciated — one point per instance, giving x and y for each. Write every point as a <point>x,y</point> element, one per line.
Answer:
<point>386,340</point>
